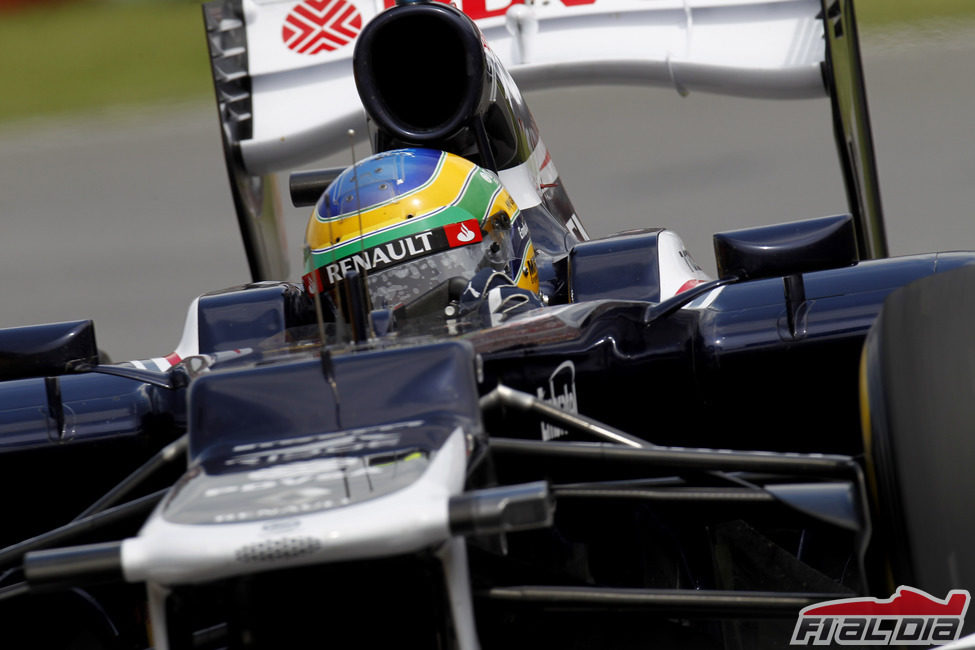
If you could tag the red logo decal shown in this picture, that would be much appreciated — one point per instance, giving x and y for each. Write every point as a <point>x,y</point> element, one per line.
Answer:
<point>313,282</point>
<point>907,601</point>
<point>315,26</point>
<point>478,9</point>
<point>909,617</point>
<point>690,284</point>
<point>463,233</point>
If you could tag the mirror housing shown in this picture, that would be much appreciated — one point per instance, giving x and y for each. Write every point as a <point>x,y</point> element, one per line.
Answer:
<point>786,248</point>
<point>308,186</point>
<point>47,350</point>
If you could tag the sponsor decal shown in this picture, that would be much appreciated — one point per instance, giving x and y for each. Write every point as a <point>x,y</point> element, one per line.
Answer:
<point>376,258</point>
<point>281,526</point>
<point>304,482</point>
<point>478,9</point>
<point>326,437</point>
<point>385,255</point>
<point>909,617</point>
<point>306,488</point>
<point>460,234</point>
<point>561,394</point>
<point>382,256</point>
<point>576,227</point>
<point>305,448</point>
<point>315,26</point>
<point>291,509</point>
<point>690,284</point>
<point>693,266</point>
<point>529,271</point>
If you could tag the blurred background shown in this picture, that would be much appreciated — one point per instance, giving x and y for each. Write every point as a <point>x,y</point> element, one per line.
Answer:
<point>114,203</point>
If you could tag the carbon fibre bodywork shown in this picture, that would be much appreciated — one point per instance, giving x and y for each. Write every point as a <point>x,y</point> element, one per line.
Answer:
<point>636,529</point>
<point>728,373</point>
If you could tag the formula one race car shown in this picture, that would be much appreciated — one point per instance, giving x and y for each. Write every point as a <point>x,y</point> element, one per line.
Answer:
<point>471,424</point>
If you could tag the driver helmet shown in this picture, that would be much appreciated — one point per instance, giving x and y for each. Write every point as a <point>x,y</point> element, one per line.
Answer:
<point>418,224</point>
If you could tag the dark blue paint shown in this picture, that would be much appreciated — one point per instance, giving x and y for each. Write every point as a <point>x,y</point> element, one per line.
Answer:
<point>256,401</point>
<point>623,267</point>
<point>243,317</point>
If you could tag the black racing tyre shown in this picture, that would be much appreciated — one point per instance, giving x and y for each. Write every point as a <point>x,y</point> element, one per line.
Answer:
<point>918,376</point>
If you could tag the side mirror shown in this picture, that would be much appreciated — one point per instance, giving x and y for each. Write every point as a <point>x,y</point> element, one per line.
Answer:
<point>787,248</point>
<point>307,187</point>
<point>47,350</point>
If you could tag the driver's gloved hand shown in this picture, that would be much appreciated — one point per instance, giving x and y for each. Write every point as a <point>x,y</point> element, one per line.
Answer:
<point>491,296</point>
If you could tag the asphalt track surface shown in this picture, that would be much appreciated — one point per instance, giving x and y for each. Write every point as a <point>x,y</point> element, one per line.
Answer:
<point>126,217</point>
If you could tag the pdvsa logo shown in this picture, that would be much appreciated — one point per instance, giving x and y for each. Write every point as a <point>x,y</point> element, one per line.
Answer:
<point>909,617</point>
<point>315,26</point>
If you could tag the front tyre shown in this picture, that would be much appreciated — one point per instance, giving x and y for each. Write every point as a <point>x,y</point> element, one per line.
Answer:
<point>918,398</point>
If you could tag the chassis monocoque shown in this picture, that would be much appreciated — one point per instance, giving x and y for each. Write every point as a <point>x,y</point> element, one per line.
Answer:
<point>644,461</point>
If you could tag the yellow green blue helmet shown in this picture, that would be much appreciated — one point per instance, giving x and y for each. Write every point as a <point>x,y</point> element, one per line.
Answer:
<point>413,222</point>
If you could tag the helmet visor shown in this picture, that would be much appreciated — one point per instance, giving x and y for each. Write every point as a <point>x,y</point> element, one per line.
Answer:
<point>405,284</point>
<point>422,271</point>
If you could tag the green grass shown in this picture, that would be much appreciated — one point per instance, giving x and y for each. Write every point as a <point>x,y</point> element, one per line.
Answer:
<point>886,13</point>
<point>83,56</point>
<point>87,55</point>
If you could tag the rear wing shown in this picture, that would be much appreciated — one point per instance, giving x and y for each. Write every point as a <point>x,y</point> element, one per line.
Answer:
<point>286,95</point>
